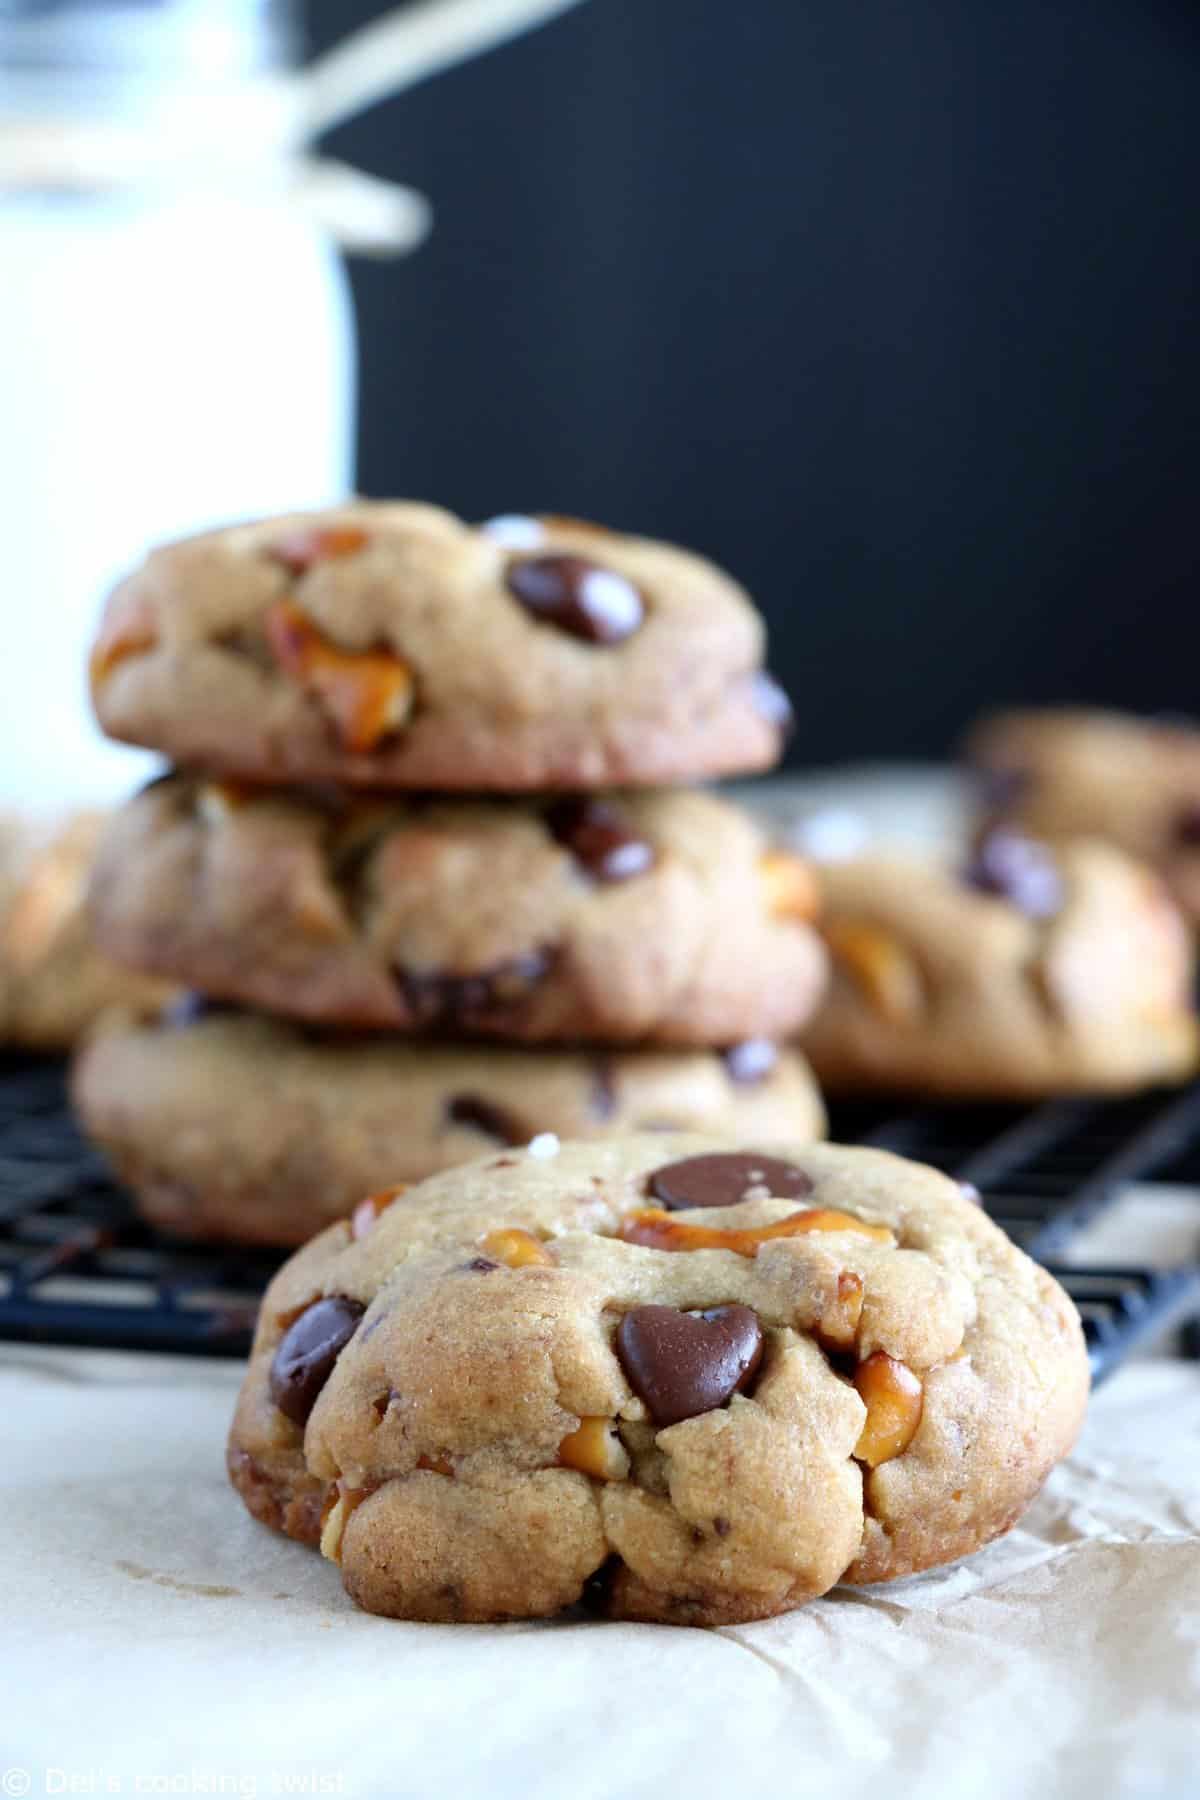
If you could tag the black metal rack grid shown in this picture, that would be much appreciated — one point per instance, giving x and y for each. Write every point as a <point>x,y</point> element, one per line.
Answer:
<point>78,1267</point>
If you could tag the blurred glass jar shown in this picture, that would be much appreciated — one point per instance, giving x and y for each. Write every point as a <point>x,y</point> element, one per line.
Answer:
<point>176,334</point>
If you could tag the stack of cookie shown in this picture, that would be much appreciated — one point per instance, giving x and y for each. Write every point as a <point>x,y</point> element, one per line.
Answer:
<point>392,828</point>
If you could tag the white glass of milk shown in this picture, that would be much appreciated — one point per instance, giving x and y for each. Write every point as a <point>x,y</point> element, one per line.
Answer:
<point>176,335</point>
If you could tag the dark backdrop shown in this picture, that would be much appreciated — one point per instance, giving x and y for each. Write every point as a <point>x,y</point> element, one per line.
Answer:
<point>891,308</point>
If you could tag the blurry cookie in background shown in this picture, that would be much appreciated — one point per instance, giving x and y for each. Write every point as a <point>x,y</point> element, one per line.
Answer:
<point>1021,973</point>
<point>54,980</point>
<point>1061,773</point>
<point>231,1125</point>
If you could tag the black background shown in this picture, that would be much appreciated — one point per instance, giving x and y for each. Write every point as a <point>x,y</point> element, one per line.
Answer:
<point>891,308</point>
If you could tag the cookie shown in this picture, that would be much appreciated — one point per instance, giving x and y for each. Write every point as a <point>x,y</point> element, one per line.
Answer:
<point>234,1126</point>
<point>688,1380</point>
<point>1064,773</point>
<point>647,918</point>
<point>54,980</point>
<point>392,645</point>
<point>1027,972</point>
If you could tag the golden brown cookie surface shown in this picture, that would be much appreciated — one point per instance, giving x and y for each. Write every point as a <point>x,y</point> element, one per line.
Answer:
<point>536,1376</point>
<point>631,918</point>
<point>1028,972</point>
<point>237,1126</point>
<point>389,644</point>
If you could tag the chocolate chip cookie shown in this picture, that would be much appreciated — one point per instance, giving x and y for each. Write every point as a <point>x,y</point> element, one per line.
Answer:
<point>1025,972</point>
<point>1064,773</point>
<point>54,980</point>
<point>683,1379</point>
<point>648,918</point>
<point>392,645</point>
<point>234,1126</point>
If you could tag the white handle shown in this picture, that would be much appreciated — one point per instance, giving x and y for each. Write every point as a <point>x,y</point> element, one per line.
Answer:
<point>404,47</point>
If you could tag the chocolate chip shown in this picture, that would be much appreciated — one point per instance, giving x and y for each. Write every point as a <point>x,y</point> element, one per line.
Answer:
<point>721,1527</point>
<point>772,703</point>
<point>1000,788</point>
<point>307,1352</point>
<point>480,1114</point>
<point>578,596</point>
<point>189,1008</point>
<point>1017,869</point>
<point>683,1363</point>
<point>481,1265</point>
<point>726,1178</point>
<point>751,1061</point>
<point>1187,827</point>
<point>600,838</point>
<point>465,1000</point>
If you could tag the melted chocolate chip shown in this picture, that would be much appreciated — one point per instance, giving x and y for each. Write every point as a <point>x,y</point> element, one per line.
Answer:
<point>1187,827</point>
<point>578,596</point>
<point>751,1061</point>
<point>307,1352</point>
<point>1016,869</point>
<point>683,1363</point>
<point>189,1008</point>
<point>725,1179</point>
<point>600,838</point>
<point>463,1000</point>
<point>772,703</point>
<point>473,1110</point>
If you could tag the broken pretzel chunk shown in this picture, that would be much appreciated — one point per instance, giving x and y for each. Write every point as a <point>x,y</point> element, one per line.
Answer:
<point>128,629</point>
<point>884,974</point>
<point>368,694</point>
<point>657,1230</point>
<point>791,889</point>
<point>299,550</point>
<point>894,1399</point>
<point>516,1248</point>
<point>595,1449</point>
<point>365,1215</point>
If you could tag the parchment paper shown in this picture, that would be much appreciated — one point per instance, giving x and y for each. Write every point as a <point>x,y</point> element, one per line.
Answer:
<point>158,1641</point>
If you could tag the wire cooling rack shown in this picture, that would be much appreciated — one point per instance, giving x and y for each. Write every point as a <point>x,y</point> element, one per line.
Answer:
<point>78,1267</point>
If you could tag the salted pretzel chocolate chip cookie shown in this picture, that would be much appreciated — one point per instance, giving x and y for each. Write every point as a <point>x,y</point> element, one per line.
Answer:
<point>1025,971</point>
<point>390,644</point>
<point>623,918</point>
<point>685,1379</point>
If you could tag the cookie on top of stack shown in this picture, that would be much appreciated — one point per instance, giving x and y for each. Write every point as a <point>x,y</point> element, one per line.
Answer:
<point>418,796</point>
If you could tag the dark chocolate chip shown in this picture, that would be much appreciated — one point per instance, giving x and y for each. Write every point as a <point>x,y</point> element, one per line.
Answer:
<point>1017,869</point>
<point>189,1008</point>
<point>600,839</point>
<point>684,1363</point>
<point>481,1265</point>
<point>307,1352</point>
<point>721,1527</point>
<point>751,1061</point>
<point>1187,827</point>
<point>480,1114</point>
<point>464,1000</point>
<point>725,1179</point>
<point>578,596</point>
<point>772,703</point>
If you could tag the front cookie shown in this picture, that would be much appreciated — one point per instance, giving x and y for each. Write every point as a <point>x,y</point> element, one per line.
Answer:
<point>229,1125</point>
<point>392,645</point>
<point>696,1381</point>
<point>634,918</point>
